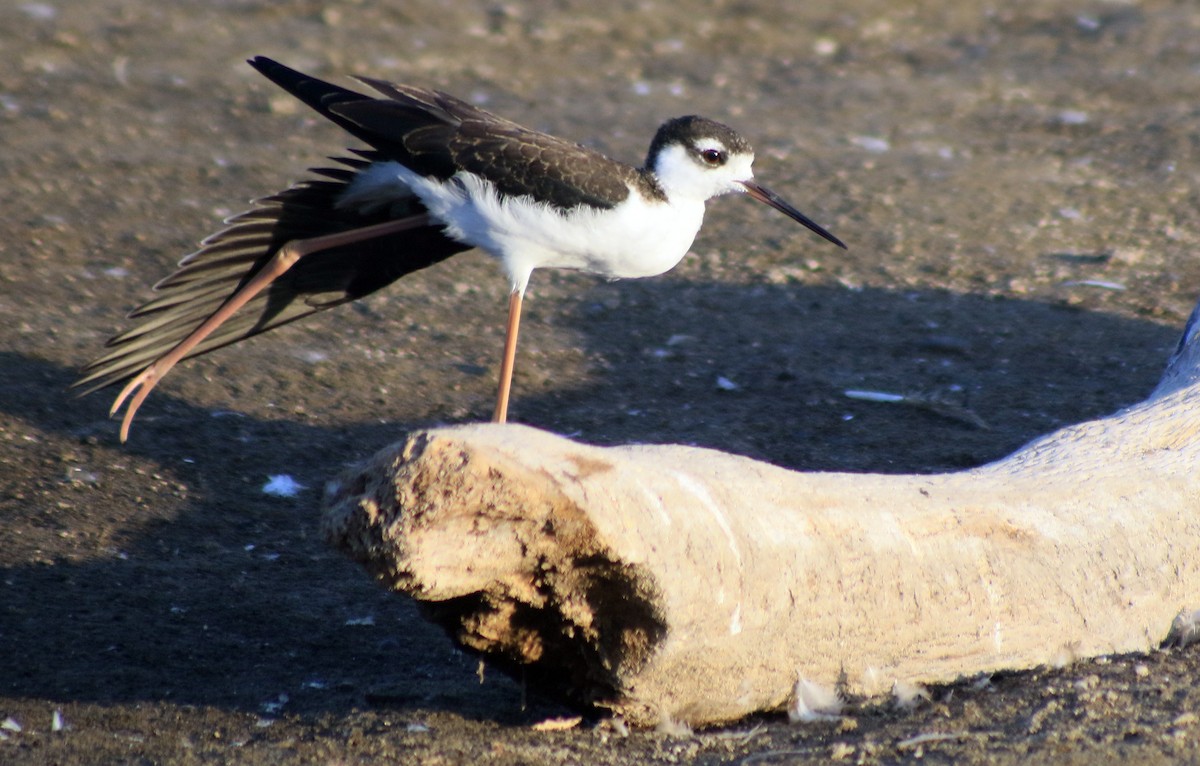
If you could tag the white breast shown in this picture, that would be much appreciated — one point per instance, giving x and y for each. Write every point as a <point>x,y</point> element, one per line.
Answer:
<point>637,238</point>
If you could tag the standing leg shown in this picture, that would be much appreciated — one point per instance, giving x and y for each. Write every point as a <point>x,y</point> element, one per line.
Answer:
<point>510,353</point>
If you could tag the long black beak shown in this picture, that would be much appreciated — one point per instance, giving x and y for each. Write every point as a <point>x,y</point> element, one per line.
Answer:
<point>765,195</point>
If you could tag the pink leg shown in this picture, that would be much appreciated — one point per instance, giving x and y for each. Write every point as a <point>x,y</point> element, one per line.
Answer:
<point>510,354</point>
<point>283,260</point>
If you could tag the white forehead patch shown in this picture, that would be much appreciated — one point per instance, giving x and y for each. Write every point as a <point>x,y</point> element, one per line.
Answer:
<point>707,143</point>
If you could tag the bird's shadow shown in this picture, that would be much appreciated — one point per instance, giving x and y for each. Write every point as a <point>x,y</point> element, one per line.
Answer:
<point>159,570</point>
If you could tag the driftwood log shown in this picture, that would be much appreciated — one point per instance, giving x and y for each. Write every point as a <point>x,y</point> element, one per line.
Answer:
<point>674,582</point>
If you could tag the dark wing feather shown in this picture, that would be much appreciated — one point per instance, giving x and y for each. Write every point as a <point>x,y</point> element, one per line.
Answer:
<point>517,160</point>
<point>323,97</point>
<point>226,260</point>
<point>438,135</point>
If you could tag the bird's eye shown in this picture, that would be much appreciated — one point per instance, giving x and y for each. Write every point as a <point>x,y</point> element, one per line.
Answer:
<point>713,157</point>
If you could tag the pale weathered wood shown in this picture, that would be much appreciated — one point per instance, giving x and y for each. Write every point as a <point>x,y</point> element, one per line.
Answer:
<point>691,584</point>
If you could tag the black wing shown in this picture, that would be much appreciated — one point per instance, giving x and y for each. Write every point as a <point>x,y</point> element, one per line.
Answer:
<point>438,135</point>
<point>229,258</point>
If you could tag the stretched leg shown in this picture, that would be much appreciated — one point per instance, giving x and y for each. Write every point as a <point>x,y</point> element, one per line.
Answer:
<point>283,260</point>
<point>510,353</point>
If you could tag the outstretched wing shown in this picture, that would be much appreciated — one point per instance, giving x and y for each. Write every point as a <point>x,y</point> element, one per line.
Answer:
<point>229,258</point>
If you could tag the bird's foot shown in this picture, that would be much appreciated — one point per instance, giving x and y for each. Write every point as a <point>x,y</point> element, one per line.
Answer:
<point>143,384</point>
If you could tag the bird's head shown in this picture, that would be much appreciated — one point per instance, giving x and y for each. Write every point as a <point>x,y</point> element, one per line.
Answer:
<point>698,158</point>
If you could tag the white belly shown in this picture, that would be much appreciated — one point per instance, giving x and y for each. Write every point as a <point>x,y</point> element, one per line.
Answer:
<point>635,239</point>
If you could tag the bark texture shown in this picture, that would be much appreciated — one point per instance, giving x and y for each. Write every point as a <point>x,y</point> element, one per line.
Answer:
<point>667,581</point>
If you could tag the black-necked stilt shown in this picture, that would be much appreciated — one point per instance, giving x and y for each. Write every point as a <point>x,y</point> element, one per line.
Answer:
<point>442,176</point>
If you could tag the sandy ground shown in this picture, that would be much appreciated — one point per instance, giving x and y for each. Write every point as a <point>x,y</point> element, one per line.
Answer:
<point>1018,187</point>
